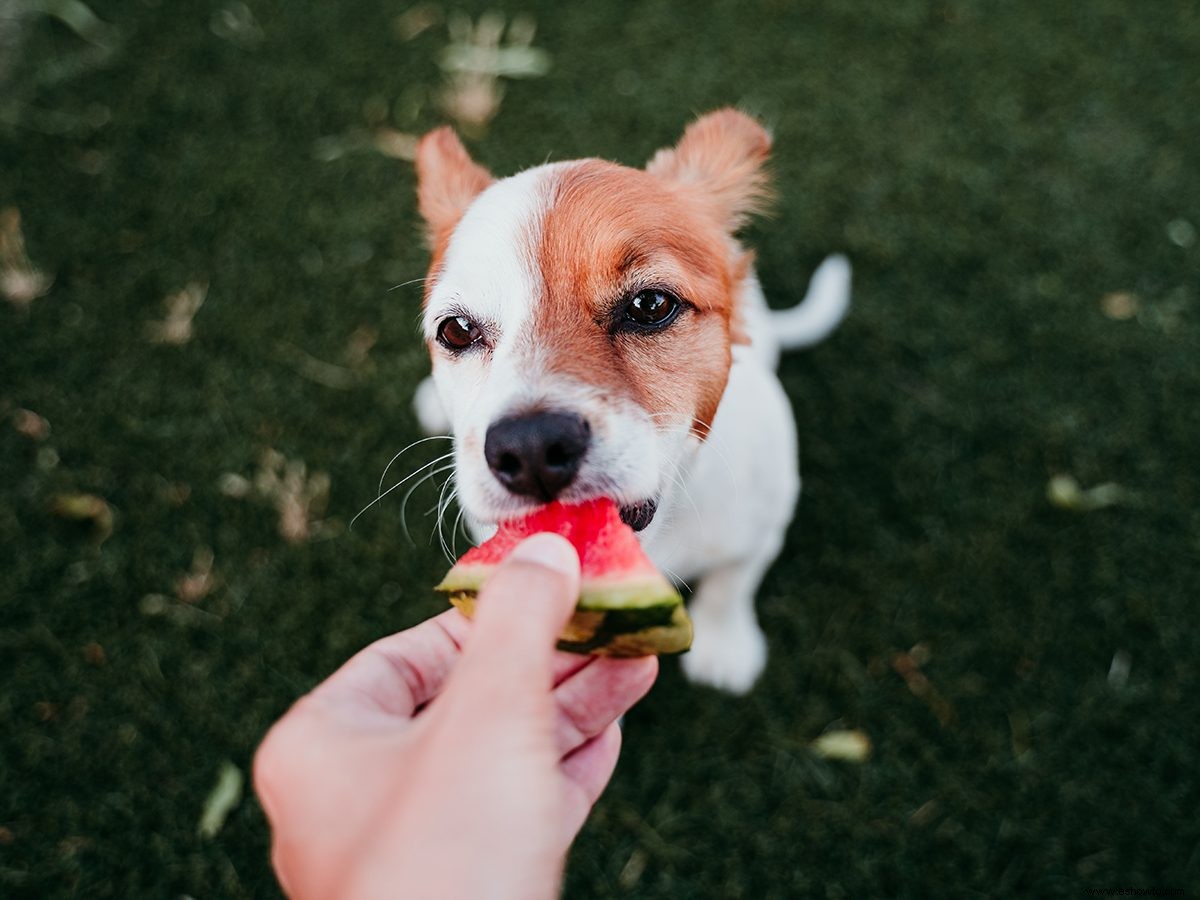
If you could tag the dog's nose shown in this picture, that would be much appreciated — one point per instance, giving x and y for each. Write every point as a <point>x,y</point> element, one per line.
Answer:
<point>537,454</point>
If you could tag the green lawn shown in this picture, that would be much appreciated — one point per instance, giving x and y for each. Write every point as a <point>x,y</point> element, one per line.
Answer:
<point>994,171</point>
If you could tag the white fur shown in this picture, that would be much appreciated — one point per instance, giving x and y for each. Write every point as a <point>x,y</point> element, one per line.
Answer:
<point>725,502</point>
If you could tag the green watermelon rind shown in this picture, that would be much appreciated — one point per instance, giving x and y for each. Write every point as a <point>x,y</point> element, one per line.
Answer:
<point>616,593</point>
<point>617,633</point>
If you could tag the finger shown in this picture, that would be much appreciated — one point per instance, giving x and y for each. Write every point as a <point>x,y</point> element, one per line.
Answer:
<point>520,612</point>
<point>397,674</point>
<point>588,771</point>
<point>593,698</point>
<point>564,666</point>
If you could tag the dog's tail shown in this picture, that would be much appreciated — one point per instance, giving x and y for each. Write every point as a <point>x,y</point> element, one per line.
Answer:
<point>822,309</point>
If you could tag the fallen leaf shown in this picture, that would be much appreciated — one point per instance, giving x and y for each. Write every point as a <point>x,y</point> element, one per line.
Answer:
<point>475,60</point>
<point>181,307</point>
<point>79,17</point>
<point>1065,492</point>
<point>1120,305</point>
<point>631,872</point>
<point>317,370</point>
<point>395,144</point>
<point>84,508</point>
<point>299,497</point>
<point>221,801</point>
<point>31,425</point>
<point>498,62</point>
<point>415,20</point>
<point>334,147</point>
<point>236,23</point>
<point>1118,670</point>
<point>21,281</point>
<point>358,347</point>
<point>908,667</point>
<point>849,745</point>
<point>472,101</point>
<point>199,582</point>
<point>925,813</point>
<point>233,485</point>
<point>1181,233</point>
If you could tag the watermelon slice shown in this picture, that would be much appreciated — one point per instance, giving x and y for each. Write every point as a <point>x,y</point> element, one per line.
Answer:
<point>625,607</point>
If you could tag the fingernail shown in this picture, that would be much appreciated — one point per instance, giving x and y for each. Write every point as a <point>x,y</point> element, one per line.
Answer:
<point>549,550</point>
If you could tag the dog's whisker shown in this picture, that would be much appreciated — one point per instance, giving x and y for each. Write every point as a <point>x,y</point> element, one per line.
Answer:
<point>441,521</point>
<point>709,439</point>
<point>433,462</point>
<point>454,531</point>
<point>675,577</point>
<point>676,478</point>
<point>408,494</point>
<point>396,287</point>
<point>438,503</point>
<point>436,437</point>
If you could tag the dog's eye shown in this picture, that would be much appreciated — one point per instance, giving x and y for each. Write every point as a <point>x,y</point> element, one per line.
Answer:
<point>652,309</point>
<point>458,333</point>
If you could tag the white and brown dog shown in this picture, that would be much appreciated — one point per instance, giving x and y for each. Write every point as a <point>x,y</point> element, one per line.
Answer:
<point>597,330</point>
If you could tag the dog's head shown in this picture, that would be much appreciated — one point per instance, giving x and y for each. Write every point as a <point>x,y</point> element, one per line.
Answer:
<point>580,315</point>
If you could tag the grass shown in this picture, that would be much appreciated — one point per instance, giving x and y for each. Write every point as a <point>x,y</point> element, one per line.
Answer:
<point>993,170</point>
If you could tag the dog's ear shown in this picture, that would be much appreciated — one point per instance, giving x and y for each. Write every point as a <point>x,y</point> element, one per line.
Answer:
<point>447,181</point>
<point>719,160</point>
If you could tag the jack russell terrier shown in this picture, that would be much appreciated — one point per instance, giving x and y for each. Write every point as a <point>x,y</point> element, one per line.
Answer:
<point>597,330</point>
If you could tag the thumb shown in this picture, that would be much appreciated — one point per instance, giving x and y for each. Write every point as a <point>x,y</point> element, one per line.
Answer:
<point>519,615</point>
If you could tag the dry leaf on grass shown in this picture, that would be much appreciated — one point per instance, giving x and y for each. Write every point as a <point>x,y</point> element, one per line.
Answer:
<point>236,23</point>
<point>85,508</point>
<point>1181,233</point>
<point>358,346</point>
<point>847,745</point>
<point>1065,492</point>
<point>1118,669</point>
<point>221,801</point>
<point>908,666</point>
<point>416,20</point>
<point>200,581</point>
<point>21,281</point>
<point>325,373</point>
<point>1120,305</point>
<point>475,60</point>
<point>299,498</point>
<point>181,308</point>
<point>31,425</point>
<point>382,139</point>
<point>78,16</point>
<point>395,144</point>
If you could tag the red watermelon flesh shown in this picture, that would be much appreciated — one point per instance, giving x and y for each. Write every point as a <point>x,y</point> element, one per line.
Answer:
<point>625,607</point>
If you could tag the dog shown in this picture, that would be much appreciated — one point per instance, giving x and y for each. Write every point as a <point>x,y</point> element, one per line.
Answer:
<point>598,330</point>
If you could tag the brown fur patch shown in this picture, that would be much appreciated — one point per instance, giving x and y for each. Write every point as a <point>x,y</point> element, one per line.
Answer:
<point>609,232</point>
<point>719,161</point>
<point>447,181</point>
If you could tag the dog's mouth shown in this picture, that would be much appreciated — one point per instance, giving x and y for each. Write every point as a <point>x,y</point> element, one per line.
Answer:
<point>638,515</point>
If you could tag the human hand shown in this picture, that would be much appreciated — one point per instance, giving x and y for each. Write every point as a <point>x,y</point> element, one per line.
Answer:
<point>454,759</point>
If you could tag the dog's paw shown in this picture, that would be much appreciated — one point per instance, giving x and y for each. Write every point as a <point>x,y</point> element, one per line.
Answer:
<point>428,407</point>
<point>725,656</point>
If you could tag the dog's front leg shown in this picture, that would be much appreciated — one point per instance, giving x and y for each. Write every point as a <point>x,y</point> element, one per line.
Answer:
<point>729,650</point>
